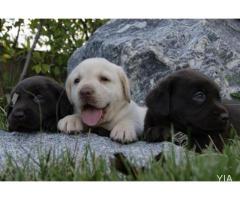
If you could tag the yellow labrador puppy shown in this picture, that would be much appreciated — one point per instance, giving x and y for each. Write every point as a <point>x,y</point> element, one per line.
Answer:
<point>100,93</point>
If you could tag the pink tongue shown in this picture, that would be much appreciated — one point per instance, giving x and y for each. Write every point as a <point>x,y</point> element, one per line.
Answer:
<point>91,116</point>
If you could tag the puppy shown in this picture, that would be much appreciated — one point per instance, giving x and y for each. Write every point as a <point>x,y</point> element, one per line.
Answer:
<point>187,102</point>
<point>37,103</point>
<point>100,93</point>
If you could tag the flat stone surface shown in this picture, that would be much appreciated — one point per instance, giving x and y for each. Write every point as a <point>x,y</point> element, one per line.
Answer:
<point>21,145</point>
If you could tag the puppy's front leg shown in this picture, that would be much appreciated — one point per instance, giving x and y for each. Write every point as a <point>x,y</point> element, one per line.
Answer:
<point>70,124</point>
<point>157,134</point>
<point>153,132</point>
<point>124,132</point>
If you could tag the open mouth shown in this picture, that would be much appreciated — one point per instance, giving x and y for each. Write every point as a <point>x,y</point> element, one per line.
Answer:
<point>92,115</point>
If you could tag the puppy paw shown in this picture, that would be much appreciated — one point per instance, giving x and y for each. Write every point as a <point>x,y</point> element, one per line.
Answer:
<point>157,134</point>
<point>70,124</point>
<point>123,133</point>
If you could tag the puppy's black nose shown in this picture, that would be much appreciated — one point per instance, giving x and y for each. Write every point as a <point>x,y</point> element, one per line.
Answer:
<point>19,114</point>
<point>86,92</point>
<point>224,117</point>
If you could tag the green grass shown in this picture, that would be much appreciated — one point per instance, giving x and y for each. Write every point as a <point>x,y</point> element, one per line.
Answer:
<point>198,167</point>
<point>66,167</point>
<point>3,114</point>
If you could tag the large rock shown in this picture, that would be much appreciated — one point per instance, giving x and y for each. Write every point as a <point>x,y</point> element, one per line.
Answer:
<point>21,146</point>
<point>151,49</point>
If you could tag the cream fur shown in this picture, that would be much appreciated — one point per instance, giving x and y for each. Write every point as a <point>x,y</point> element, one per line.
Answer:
<point>123,117</point>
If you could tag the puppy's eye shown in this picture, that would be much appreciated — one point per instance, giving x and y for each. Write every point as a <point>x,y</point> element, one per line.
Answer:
<point>38,98</point>
<point>199,97</point>
<point>76,80</point>
<point>104,79</point>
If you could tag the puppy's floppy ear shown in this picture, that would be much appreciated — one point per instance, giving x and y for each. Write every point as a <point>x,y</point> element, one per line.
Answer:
<point>158,100</point>
<point>125,84</point>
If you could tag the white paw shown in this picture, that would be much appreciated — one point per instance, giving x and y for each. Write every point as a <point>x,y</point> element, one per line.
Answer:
<point>123,133</point>
<point>70,124</point>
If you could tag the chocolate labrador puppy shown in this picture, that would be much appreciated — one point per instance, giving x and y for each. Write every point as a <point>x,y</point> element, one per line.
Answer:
<point>37,103</point>
<point>189,103</point>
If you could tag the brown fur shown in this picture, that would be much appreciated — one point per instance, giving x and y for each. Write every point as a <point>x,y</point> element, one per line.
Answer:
<point>189,102</point>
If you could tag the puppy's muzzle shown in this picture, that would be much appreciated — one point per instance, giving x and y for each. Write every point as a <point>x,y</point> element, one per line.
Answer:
<point>86,93</point>
<point>18,115</point>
